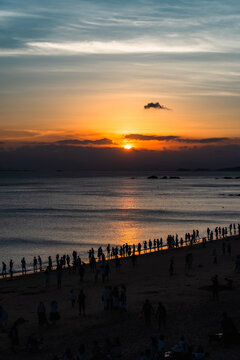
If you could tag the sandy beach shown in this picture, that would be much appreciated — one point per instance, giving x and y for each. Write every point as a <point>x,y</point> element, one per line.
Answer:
<point>191,310</point>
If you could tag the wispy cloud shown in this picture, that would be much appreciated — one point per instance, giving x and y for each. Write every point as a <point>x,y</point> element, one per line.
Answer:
<point>176,138</point>
<point>135,46</point>
<point>151,137</point>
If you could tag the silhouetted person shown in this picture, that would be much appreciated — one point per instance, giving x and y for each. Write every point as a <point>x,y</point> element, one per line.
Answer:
<point>23,263</point>
<point>3,318</point>
<point>54,314</point>
<point>81,302</point>
<point>81,272</point>
<point>14,336</point>
<point>11,268</point>
<point>68,354</point>
<point>147,312</point>
<point>35,264</point>
<point>40,262</point>
<point>59,276</point>
<point>4,270</point>
<point>72,298</point>
<point>41,311</point>
<point>230,332</point>
<point>161,315</point>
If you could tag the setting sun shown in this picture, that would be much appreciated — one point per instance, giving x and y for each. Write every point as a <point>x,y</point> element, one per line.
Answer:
<point>127,146</point>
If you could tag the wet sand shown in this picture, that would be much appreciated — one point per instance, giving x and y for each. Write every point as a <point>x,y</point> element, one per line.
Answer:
<point>191,310</point>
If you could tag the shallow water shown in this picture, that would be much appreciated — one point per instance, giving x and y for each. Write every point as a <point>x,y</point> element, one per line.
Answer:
<point>42,215</point>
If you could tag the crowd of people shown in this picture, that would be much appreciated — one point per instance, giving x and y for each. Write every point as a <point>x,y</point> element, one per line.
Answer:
<point>125,250</point>
<point>114,297</point>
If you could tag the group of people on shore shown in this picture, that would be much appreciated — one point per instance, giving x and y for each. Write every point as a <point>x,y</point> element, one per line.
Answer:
<point>113,298</point>
<point>125,250</point>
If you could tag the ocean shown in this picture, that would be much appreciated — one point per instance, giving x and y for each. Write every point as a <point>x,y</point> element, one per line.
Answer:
<point>49,214</point>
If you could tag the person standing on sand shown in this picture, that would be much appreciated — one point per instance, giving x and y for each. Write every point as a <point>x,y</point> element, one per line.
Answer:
<point>50,263</point>
<point>41,311</point>
<point>23,263</point>
<point>147,311</point>
<point>3,317</point>
<point>139,248</point>
<point>4,270</point>
<point>81,272</point>
<point>161,315</point>
<point>54,314</point>
<point>59,276</point>
<point>81,302</point>
<point>214,253</point>
<point>11,269</point>
<point>237,265</point>
<point>35,264</point>
<point>40,262</point>
<point>72,297</point>
<point>47,276</point>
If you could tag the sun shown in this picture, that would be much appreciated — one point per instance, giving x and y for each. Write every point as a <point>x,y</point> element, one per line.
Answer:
<point>127,146</point>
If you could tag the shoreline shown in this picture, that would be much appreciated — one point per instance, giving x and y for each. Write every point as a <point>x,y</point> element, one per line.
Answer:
<point>164,248</point>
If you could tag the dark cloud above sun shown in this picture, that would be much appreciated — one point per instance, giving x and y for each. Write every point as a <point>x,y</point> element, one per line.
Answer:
<point>156,105</point>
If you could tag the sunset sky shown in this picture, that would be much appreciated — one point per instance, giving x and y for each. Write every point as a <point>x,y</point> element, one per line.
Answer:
<point>80,73</point>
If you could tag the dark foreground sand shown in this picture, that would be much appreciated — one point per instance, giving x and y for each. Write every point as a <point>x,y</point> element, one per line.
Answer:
<point>191,311</point>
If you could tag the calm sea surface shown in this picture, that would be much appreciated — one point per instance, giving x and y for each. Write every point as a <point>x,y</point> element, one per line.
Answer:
<point>49,215</point>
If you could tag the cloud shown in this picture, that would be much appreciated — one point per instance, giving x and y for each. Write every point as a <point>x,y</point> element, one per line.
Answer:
<point>19,133</point>
<point>176,138</point>
<point>204,141</point>
<point>103,141</point>
<point>155,106</point>
<point>151,137</point>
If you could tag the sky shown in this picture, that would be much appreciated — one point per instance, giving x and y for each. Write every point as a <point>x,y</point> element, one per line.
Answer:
<point>135,76</point>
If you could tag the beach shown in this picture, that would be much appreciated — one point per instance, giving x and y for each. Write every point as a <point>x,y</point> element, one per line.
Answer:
<point>191,310</point>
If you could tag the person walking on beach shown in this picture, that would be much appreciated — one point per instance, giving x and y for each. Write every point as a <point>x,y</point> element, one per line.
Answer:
<point>54,314</point>
<point>59,276</point>
<point>40,262</point>
<point>47,276</point>
<point>50,263</point>
<point>214,253</point>
<point>42,317</point>
<point>34,264</point>
<point>11,269</point>
<point>4,270</point>
<point>3,318</point>
<point>23,263</point>
<point>72,298</point>
<point>161,315</point>
<point>81,302</point>
<point>81,272</point>
<point>139,248</point>
<point>147,311</point>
